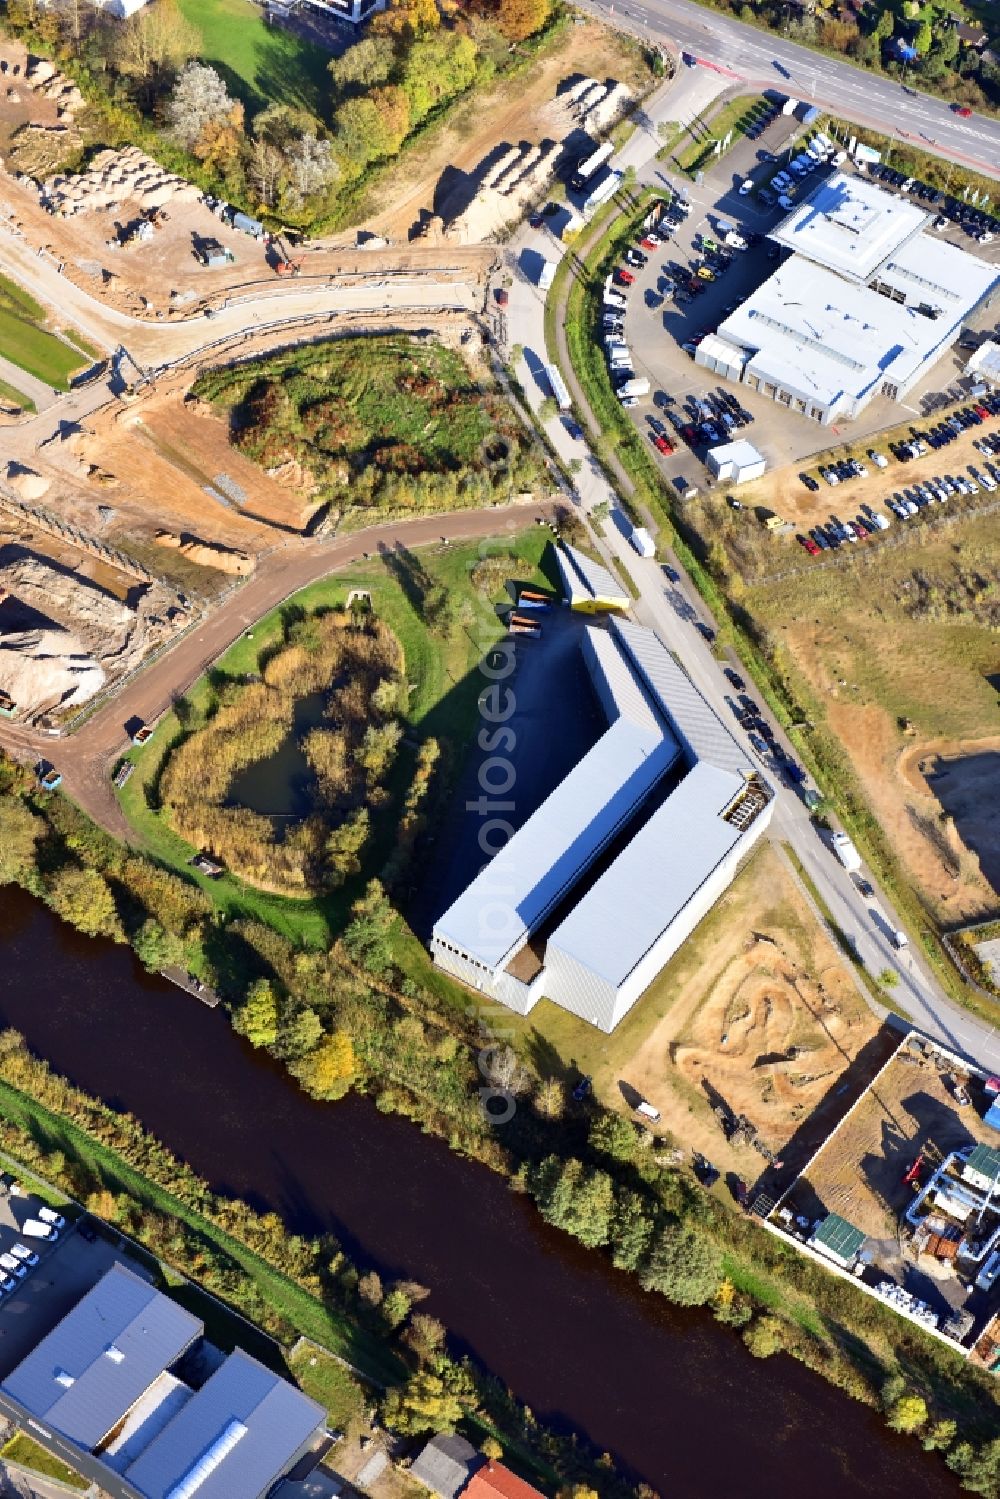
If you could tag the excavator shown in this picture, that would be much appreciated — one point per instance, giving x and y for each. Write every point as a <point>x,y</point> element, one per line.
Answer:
<point>284,265</point>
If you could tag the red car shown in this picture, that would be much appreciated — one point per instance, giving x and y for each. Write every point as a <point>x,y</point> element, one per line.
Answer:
<point>983,411</point>
<point>809,545</point>
<point>649,244</point>
<point>625,277</point>
<point>663,444</point>
<point>963,110</point>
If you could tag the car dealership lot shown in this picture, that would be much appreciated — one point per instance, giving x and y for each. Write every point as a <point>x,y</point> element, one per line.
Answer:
<point>658,324</point>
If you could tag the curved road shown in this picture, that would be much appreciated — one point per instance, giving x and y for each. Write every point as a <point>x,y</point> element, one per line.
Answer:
<point>86,757</point>
<point>766,59</point>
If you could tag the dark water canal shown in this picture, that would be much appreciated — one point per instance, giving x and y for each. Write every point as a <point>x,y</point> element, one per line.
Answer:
<point>673,1396</point>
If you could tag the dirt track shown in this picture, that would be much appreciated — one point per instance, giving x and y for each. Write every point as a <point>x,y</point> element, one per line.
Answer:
<point>85,757</point>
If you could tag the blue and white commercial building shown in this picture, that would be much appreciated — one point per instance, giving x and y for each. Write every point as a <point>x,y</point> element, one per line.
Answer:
<point>865,304</point>
<point>666,800</point>
<point>103,1391</point>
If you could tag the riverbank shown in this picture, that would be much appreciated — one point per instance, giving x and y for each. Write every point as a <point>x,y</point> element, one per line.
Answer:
<point>583,1345</point>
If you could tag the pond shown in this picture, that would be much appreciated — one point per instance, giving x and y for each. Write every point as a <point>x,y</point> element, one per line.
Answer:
<point>674,1397</point>
<point>281,785</point>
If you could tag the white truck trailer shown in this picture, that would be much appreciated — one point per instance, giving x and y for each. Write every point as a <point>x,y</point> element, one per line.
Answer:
<point>558,385</point>
<point>846,852</point>
<point>643,542</point>
<point>604,188</point>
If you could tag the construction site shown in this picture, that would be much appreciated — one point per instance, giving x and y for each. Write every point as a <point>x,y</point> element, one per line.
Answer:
<point>903,1196</point>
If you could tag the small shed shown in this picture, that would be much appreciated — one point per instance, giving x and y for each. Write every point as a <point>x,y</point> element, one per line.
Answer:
<point>213,254</point>
<point>839,1240</point>
<point>736,462</point>
<point>982,1169</point>
<point>446,1464</point>
<point>985,362</point>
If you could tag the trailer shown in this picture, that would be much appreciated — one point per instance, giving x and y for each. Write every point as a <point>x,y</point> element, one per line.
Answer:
<point>528,599</point>
<point>558,385</point>
<point>604,188</point>
<point>845,851</point>
<point>643,542</point>
<point>546,275</point>
<point>523,624</point>
<point>588,165</point>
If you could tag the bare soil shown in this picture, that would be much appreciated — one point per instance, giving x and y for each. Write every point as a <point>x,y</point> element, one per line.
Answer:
<point>765,1017</point>
<point>859,1172</point>
<point>515,111</point>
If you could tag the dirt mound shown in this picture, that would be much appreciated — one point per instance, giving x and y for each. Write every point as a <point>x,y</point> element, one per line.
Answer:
<point>207,553</point>
<point>27,482</point>
<point>47,668</point>
<point>769,1036</point>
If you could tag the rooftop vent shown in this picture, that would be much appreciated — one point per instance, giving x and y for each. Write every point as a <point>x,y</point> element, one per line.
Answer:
<point>66,1380</point>
<point>114,1353</point>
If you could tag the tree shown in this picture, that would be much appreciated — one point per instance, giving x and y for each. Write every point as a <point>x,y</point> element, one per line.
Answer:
<point>731,1307</point>
<point>908,1414</point>
<point>765,1336</point>
<point>631,1229</point>
<point>522,18</point>
<point>257,1017</point>
<point>366,938</point>
<point>683,1265</point>
<point>154,43</point>
<point>199,107</point>
<point>424,1403</point>
<point>83,898</point>
<point>614,1136</point>
<point>884,25</point>
<point>425,1336</point>
<point>939,1436</point>
<point>406,19</point>
<point>19,833</point>
<point>344,844</point>
<point>377,750</point>
<point>370,61</point>
<point>437,67</point>
<point>574,1198</point>
<point>310,168</point>
<point>550,1098</point>
<point>923,39</point>
<point>155,947</point>
<point>977,1467</point>
<point>299,1032</point>
<point>946,46</point>
<point>396,1307</point>
<point>329,1071</point>
<point>370,1288</point>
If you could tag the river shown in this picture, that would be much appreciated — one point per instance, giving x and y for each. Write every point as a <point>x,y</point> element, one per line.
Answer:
<point>675,1398</point>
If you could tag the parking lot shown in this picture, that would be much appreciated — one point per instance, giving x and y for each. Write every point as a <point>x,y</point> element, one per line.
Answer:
<point>656,324</point>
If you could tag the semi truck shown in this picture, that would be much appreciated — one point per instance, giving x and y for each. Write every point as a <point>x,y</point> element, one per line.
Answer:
<point>605,186</point>
<point>558,385</point>
<point>643,542</point>
<point>846,852</point>
<point>546,275</point>
<point>589,164</point>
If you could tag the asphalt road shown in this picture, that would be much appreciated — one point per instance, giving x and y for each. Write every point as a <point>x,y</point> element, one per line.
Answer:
<point>757,57</point>
<point>672,609</point>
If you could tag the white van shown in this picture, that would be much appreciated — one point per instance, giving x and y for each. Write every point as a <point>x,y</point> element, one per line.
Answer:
<point>899,940</point>
<point>648,1112</point>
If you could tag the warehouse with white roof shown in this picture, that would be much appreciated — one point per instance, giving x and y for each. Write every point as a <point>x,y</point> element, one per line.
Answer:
<point>867,303</point>
<point>670,784</point>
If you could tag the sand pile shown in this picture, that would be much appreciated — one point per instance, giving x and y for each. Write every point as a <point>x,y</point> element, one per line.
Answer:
<point>45,78</point>
<point>208,553</point>
<point>26,482</point>
<point>46,668</point>
<point>115,177</point>
<point>100,620</point>
<point>508,188</point>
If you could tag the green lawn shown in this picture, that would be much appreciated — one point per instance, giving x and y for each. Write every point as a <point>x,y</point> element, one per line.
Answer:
<point>324,1377</point>
<point>21,1449</point>
<point>28,344</point>
<point>736,116</point>
<point>261,64</point>
<point>16,398</point>
<point>442,704</point>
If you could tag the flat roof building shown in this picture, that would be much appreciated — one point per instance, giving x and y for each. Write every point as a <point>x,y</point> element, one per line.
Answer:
<point>588,586</point>
<point>865,305</point>
<point>736,462</point>
<point>609,940</point>
<point>101,1392</point>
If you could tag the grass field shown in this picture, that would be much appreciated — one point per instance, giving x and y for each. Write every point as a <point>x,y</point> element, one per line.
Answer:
<point>324,1377</point>
<point>261,64</point>
<point>391,423</point>
<point>734,117</point>
<point>307,1314</point>
<point>25,342</point>
<point>15,397</point>
<point>28,1454</point>
<point>442,704</point>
